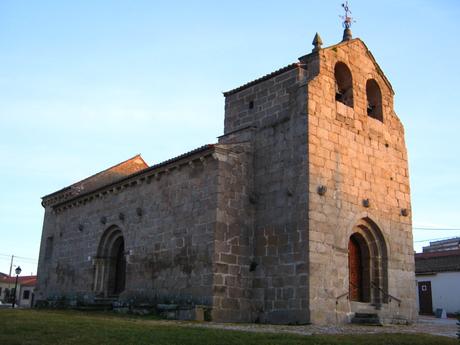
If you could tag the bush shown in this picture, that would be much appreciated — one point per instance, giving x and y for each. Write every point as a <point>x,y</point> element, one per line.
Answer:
<point>458,324</point>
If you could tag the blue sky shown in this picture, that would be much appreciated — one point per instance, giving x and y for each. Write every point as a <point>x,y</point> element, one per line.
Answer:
<point>87,84</point>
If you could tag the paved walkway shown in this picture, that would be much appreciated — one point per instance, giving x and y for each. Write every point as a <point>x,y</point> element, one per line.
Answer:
<point>429,325</point>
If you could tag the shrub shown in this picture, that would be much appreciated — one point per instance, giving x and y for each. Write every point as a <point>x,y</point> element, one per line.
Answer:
<point>458,324</point>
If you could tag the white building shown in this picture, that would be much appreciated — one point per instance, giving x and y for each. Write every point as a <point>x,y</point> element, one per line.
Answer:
<point>24,293</point>
<point>438,281</point>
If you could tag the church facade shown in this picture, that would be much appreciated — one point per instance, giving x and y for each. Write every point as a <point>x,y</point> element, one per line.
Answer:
<point>300,213</point>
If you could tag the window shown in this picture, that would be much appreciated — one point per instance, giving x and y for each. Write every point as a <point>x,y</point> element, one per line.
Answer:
<point>26,294</point>
<point>343,84</point>
<point>374,100</point>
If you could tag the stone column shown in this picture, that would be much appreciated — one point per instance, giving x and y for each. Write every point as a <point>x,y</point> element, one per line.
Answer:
<point>99,275</point>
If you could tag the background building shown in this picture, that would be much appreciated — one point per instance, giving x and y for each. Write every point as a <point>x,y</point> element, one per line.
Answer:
<point>437,272</point>
<point>25,290</point>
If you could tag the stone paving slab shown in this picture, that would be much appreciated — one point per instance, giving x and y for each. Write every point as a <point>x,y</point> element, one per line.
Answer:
<point>445,327</point>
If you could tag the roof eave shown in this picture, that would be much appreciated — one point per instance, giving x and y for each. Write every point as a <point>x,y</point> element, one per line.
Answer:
<point>262,79</point>
<point>173,161</point>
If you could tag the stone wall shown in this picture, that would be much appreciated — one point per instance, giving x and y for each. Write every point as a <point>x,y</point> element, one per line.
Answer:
<point>233,245</point>
<point>168,221</point>
<point>272,116</point>
<point>355,157</point>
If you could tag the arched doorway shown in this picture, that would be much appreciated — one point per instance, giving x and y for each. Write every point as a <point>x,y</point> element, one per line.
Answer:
<point>116,283</point>
<point>358,268</point>
<point>367,264</point>
<point>110,269</point>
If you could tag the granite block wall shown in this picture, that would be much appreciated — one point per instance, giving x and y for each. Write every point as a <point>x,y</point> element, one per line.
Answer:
<point>271,115</point>
<point>356,157</point>
<point>167,221</point>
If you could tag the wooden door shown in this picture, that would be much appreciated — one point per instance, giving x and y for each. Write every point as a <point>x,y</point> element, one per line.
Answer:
<point>425,298</point>
<point>355,271</point>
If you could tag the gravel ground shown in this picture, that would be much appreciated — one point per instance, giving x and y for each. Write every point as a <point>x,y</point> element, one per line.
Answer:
<point>430,325</point>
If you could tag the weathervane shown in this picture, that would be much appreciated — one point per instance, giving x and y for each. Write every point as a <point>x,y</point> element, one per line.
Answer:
<point>347,21</point>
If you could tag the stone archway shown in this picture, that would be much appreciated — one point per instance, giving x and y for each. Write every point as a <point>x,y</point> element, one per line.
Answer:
<point>367,264</point>
<point>110,268</point>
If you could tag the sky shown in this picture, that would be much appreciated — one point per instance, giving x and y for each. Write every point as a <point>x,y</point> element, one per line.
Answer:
<point>87,84</point>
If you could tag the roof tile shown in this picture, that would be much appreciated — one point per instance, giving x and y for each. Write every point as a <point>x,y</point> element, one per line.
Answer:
<point>445,261</point>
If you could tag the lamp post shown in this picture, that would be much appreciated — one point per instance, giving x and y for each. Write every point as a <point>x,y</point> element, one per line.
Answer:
<point>18,272</point>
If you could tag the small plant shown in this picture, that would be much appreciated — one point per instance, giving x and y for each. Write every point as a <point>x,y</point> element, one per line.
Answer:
<point>458,324</point>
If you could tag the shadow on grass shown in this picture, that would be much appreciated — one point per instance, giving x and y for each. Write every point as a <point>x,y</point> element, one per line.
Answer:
<point>33,327</point>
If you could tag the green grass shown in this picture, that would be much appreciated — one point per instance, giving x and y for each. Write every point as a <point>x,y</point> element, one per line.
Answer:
<point>33,327</point>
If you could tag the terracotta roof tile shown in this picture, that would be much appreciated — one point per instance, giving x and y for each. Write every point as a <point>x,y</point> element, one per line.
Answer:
<point>24,280</point>
<point>29,282</point>
<point>136,173</point>
<point>111,174</point>
<point>107,176</point>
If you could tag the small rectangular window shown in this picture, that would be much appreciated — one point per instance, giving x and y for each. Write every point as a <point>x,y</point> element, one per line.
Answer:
<point>26,294</point>
<point>49,248</point>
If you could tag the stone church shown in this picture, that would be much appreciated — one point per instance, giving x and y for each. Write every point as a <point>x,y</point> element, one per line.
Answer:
<point>300,213</point>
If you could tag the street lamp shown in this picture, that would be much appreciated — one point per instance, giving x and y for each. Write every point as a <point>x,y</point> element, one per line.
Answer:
<point>18,272</point>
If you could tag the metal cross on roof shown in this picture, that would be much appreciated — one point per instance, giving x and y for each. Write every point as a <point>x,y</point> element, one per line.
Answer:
<point>347,18</point>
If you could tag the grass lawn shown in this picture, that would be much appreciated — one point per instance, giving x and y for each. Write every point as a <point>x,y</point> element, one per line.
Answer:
<point>68,327</point>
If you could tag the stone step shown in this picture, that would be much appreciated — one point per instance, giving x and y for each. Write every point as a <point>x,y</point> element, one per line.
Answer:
<point>399,320</point>
<point>93,307</point>
<point>98,304</point>
<point>104,301</point>
<point>366,319</point>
